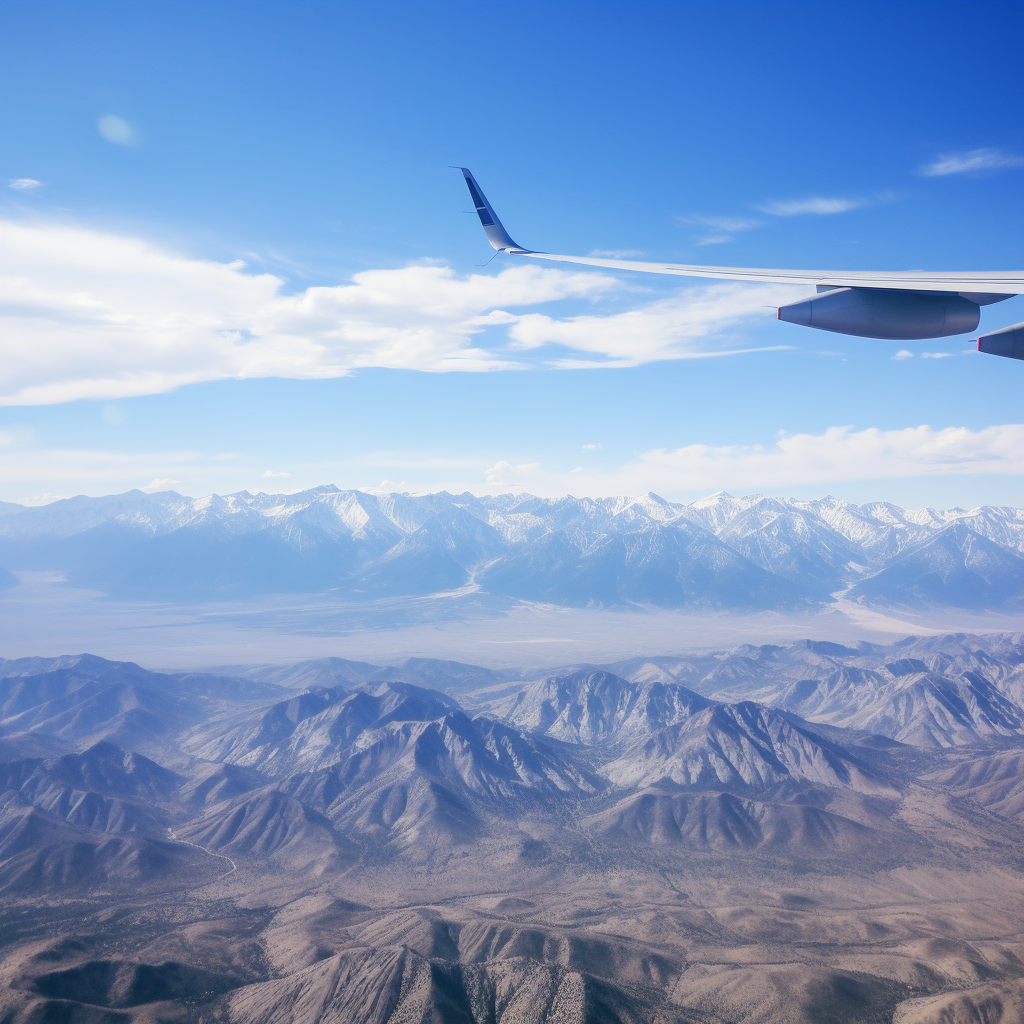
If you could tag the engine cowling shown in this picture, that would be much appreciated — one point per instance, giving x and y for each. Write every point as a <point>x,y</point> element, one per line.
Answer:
<point>884,313</point>
<point>1008,342</point>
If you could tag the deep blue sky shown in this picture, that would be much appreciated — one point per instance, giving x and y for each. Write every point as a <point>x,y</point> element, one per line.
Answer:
<point>313,141</point>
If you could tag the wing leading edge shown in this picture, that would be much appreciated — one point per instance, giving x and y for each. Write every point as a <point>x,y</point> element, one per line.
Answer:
<point>904,305</point>
<point>986,286</point>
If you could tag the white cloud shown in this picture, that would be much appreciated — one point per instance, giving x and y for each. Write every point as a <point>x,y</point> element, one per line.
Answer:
<point>25,462</point>
<point>591,447</point>
<point>974,160</point>
<point>41,499</point>
<point>724,227</point>
<point>685,326</point>
<point>723,223</point>
<point>386,487</point>
<point>841,453</point>
<point>86,314</point>
<point>116,129</point>
<point>24,184</point>
<point>17,436</point>
<point>812,204</point>
<point>504,474</point>
<point>160,484</point>
<point>838,454</point>
<point>904,353</point>
<point>270,472</point>
<point>936,355</point>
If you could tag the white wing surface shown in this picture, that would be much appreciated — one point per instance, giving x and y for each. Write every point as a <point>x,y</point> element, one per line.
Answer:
<point>982,286</point>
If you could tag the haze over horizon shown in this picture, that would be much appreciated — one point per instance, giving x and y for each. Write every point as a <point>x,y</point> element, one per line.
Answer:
<point>190,582</point>
<point>156,487</point>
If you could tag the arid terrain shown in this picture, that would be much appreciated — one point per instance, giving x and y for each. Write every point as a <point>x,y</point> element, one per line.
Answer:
<point>810,832</point>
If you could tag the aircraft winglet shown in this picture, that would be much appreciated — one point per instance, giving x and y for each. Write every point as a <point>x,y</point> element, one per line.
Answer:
<point>493,228</point>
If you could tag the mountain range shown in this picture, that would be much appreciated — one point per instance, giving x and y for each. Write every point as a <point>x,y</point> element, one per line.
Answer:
<point>768,834</point>
<point>749,553</point>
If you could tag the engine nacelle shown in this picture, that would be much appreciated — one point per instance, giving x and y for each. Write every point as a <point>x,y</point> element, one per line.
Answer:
<point>1008,342</point>
<point>884,313</point>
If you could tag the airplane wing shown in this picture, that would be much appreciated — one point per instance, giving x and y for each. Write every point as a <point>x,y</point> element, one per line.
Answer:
<point>980,287</point>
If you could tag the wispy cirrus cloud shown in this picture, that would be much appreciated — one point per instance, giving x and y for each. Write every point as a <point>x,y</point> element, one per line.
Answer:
<point>973,160</point>
<point>724,223</point>
<point>723,228</point>
<point>24,184</point>
<point>696,323</point>
<point>812,204</point>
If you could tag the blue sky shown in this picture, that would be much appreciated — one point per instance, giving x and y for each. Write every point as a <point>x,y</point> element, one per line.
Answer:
<point>154,149</point>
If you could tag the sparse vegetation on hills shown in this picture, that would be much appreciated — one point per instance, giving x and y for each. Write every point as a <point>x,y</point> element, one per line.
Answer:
<point>799,833</point>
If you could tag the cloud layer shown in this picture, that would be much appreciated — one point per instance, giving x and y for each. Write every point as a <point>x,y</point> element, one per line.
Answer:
<point>86,314</point>
<point>835,456</point>
<point>839,454</point>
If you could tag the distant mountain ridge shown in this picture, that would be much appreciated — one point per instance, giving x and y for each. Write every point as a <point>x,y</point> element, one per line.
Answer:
<point>719,553</point>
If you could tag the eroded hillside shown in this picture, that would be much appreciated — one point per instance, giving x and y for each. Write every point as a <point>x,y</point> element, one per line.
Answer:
<point>771,834</point>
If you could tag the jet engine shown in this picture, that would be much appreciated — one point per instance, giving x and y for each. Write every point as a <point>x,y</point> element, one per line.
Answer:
<point>885,313</point>
<point>1008,342</point>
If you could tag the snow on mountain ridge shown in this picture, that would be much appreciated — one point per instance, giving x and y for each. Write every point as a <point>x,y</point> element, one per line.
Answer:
<point>642,550</point>
<point>358,508</point>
